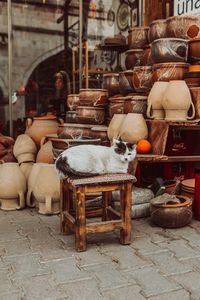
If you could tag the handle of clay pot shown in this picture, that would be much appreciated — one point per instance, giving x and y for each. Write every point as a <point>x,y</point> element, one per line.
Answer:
<point>60,120</point>
<point>43,141</point>
<point>29,122</point>
<point>28,200</point>
<point>21,200</point>
<point>48,209</point>
<point>149,109</point>
<point>193,112</point>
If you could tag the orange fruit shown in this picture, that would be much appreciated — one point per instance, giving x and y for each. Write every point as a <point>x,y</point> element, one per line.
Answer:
<point>143,147</point>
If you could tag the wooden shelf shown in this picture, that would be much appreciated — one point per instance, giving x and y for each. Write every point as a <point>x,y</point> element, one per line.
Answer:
<point>164,158</point>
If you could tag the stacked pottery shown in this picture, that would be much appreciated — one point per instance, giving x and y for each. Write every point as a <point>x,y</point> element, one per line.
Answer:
<point>45,154</point>
<point>12,187</point>
<point>72,104</point>
<point>155,108</point>
<point>6,149</point>
<point>188,188</point>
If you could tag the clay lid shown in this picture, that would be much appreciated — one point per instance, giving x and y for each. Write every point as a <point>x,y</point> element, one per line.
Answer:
<point>138,28</point>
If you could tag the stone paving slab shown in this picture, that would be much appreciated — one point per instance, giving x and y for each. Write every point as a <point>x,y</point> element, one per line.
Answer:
<point>176,295</point>
<point>132,292</point>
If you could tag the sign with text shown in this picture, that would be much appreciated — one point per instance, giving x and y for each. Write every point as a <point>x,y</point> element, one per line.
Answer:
<point>187,7</point>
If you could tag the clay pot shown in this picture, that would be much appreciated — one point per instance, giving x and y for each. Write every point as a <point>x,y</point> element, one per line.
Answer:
<point>24,149</point>
<point>133,128</point>
<point>142,79</point>
<point>172,215</point>
<point>188,188</point>
<point>30,200</point>
<point>12,187</point>
<point>184,27</point>
<point>137,37</point>
<point>177,110</point>
<point>71,116</point>
<point>100,132</point>
<point>169,71</point>
<point>91,115</point>
<point>73,101</point>
<point>146,56</point>
<point>155,108</point>
<point>42,126</point>
<point>26,168</point>
<point>125,82</point>
<point>133,58</point>
<point>169,50</point>
<point>75,131</point>
<point>157,30</point>
<point>170,186</point>
<point>114,126</point>
<point>46,190</point>
<point>192,79</point>
<point>116,106</point>
<point>195,93</point>
<point>45,154</point>
<point>111,83</point>
<point>136,104</point>
<point>93,97</point>
<point>193,50</point>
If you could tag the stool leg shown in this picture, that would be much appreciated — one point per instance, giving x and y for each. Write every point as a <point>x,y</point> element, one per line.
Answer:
<point>125,202</point>
<point>80,234</point>
<point>64,206</point>
<point>106,202</point>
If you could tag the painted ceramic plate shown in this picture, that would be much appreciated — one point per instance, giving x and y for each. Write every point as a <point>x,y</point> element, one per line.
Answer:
<point>123,17</point>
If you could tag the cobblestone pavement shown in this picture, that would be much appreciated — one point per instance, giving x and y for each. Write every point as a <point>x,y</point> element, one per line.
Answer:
<point>36,262</point>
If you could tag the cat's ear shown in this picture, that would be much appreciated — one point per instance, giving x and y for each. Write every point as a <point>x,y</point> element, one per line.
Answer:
<point>131,146</point>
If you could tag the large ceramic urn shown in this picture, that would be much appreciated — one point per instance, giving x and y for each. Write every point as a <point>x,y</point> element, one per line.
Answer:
<point>46,190</point>
<point>30,200</point>
<point>26,168</point>
<point>155,109</point>
<point>24,149</point>
<point>114,126</point>
<point>133,128</point>
<point>12,187</point>
<point>45,154</point>
<point>41,126</point>
<point>177,101</point>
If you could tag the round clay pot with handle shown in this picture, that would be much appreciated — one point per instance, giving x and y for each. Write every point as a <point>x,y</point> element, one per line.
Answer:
<point>24,149</point>
<point>157,30</point>
<point>114,126</point>
<point>184,27</point>
<point>155,108</point>
<point>137,37</point>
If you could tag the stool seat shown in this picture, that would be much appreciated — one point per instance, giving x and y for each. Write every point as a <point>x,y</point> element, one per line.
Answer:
<point>73,209</point>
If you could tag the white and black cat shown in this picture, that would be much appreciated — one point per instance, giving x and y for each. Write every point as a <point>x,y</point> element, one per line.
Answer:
<point>88,160</point>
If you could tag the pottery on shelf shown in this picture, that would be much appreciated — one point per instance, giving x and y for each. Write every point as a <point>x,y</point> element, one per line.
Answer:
<point>133,58</point>
<point>24,149</point>
<point>12,187</point>
<point>93,97</point>
<point>111,83</point>
<point>177,101</point>
<point>142,79</point>
<point>91,115</point>
<point>133,128</point>
<point>137,37</point>
<point>157,30</point>
<point>73,101</point>
<point>114,126</point>
<point>116,106</point>
<point>75,131</point>
<point>184,27</point>
<point>169,71</point>
<point>193,50</point>
<point>125,82</point>
<point>146,56</point>
<point>135,104</point>
<point>155,108</point>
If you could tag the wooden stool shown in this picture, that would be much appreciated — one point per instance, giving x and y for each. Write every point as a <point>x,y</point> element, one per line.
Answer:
<point>75,220</point>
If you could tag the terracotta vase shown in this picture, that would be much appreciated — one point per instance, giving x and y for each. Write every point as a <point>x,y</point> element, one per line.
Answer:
<point>184,27</point>
<point>46,190</point>
<point>114,126</point>
<point>125,82</point>
<point>91,115</point>
<point>24,149</point>
<point>93,97</point>
<point>177,110</point>
<point>116,106</point>
<point>142,79</point>
<point>136,104</point>
<point>137,37</point>
<point>12,187</point>
<point>45,154</point>
<point>42,126</point>
<point>155,108</point>
<point>157,30</point>
<point>133,58</point>
<point>111,83</point>
<point>133,128</point>
<point>26,168</point>
<point>169,71</point>
<point>74,131</point>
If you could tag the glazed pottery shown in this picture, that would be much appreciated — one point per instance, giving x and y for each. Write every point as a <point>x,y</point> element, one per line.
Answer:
<point>133,128</point>
<point>133,58</point>
<point>136,104</point>
<point>114,126</point>
<point>193,50</point>
<point>125,82</point>
<point>42,126</point>
<point>177,110</point>
<point>24,149</point>
<point>142,79</point>
<point>146,56</point>
<point>157,30</point>
<point>169,71</point>
<point>111,83</point>
<point>46,190</point>
<point>195,93</point>
<point>26,168</point>
<point>93,97</point>
<point>45,154</point>
<point>116,106</point>
<point>137,37</point>
<point>155,108</point>
<point>74,131</point>
<point>12,187</point>
<point>91,115</point>
<point>169,50</point>
<point>72,101</point>
<point>172,215</point>
<point>184,27</point>
<point>100,132</point>
<point>192,79</point>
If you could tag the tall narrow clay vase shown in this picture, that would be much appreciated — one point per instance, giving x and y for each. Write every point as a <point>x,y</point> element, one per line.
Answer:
<point>133,128</point>
<point>45,154</point>
<point>155,109</point>
<point>12,187</point>
<point>114,126</point>
<point>177,101</point>
<point>46,190</point>
<point>24,149</point>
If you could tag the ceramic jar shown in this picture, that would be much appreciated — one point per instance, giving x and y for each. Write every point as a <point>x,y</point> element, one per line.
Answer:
<point>169,71</point>
<point>193,50</point>
<point>91,115</point>
<point>157,30</point>
<point>114,126</point>
<point>12,187</point>
<point>111,83</point>
<point>75,131</point>
<point>42,126</point>
<point>46,190</point>
<point>195,93</point>
<point>177,110</point>
<point>133,58</point>
<point>125,82</point>
<point>26,168</point>
<point>30,200</point>
<point>142,79</point>
<point>169,50</point>
<point>184,27</point>
<point>72,101</point>
<point>45,154</point>
<point>136,104</point>
<point>155,108</point>
<point>93,97</point>
<point>116,106</point>
<point>137,37</point>
<point>133,128</point>
<point>24,149</point>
